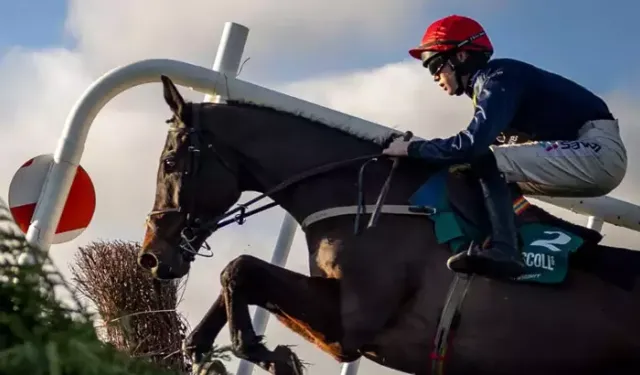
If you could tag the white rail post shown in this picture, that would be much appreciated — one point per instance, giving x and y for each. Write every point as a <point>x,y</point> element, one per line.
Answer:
<point>227,61</point>
<point>229,54</point>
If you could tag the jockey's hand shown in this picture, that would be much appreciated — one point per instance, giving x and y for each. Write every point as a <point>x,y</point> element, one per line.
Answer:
<point>397,148</point>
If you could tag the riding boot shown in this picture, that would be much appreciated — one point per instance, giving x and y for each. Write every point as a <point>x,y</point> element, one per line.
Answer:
<point>502,258</point>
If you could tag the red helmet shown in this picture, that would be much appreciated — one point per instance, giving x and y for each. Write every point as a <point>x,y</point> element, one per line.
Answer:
<point>453,33</point>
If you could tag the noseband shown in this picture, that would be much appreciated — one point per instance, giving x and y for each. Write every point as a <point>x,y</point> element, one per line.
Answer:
<point>195,227</point>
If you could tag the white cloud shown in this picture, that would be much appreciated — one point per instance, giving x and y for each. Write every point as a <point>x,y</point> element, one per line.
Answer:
<point>397,95</point>
<point>118,31</point>
<point>123,146</point>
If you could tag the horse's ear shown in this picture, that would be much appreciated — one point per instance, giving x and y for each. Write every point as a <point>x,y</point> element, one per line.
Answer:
<point>172,96</point>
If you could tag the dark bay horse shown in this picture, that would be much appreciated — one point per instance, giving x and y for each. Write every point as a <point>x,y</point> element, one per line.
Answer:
<point>379,293</point>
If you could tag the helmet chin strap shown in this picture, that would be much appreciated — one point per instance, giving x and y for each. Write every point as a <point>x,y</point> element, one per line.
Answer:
<point>459,70</point>
<point>460,89</point>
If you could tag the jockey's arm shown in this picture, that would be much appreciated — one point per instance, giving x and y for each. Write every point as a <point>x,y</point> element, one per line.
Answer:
<point>496,100</point>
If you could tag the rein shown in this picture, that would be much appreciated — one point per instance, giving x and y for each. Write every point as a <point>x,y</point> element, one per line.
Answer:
<point>241,209</point>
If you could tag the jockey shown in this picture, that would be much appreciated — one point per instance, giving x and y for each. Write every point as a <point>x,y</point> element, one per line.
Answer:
<point>574,146</point>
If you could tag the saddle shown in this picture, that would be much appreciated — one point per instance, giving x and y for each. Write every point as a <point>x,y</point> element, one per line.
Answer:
<point>548,243</point>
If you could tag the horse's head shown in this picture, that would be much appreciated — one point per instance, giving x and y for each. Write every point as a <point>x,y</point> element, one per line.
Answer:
<point>197,181</point>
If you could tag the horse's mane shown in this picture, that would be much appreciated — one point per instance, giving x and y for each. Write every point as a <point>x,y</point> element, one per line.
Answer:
<point>379,140</point>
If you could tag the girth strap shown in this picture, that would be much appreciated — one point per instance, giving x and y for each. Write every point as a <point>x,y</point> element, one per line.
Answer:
<point>448,322</point>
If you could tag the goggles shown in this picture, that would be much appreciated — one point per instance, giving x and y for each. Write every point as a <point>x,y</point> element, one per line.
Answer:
<point>435,61</point>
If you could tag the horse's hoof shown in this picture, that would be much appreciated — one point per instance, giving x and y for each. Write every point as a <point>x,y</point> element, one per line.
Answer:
<point>287,363</point>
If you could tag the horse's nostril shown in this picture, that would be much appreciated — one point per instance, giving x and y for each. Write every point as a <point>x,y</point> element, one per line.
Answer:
<point>148,261</point>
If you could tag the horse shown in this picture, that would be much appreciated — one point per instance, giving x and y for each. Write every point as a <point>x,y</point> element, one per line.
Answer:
<point>381,291</point>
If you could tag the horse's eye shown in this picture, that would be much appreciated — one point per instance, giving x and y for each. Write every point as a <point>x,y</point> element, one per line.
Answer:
<point>169,163</point>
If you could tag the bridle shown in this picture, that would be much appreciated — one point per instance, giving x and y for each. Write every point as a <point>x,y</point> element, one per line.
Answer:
<point>195,227</point>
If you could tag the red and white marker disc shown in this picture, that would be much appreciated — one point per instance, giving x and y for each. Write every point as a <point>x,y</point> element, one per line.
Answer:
<point>24,193</point>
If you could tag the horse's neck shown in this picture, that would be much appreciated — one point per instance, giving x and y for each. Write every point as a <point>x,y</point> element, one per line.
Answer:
<point>280,148</point>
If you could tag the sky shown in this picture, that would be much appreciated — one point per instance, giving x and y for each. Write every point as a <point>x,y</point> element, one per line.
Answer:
<point>350,56</point>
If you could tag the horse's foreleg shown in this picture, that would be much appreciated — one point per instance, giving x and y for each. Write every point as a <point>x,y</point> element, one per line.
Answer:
<point>308,306</point>
<point>245,343</point>
<point>200,342</point>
